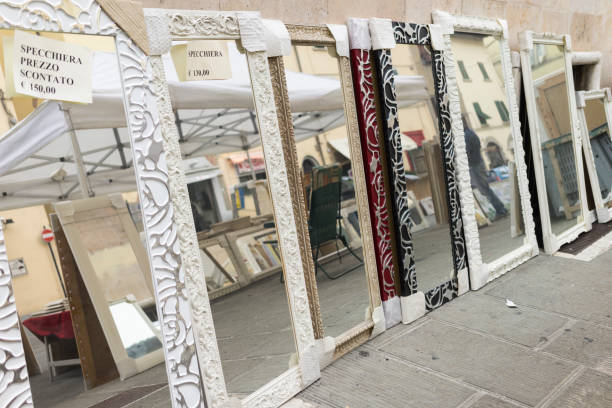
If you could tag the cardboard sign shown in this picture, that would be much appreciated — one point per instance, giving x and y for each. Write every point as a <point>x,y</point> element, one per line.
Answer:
<point>207,60</point>
<point>51,69</point>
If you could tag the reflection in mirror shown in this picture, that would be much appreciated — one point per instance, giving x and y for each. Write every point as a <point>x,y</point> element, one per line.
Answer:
<point>489,143</point>
<point>423,164</point>
<point>322,144</point>
<point>601,145</point>
<point>555,135</point>
<point>232,210</point>
<point>135,330</point>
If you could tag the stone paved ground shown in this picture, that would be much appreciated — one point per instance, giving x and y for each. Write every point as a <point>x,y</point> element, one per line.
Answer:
<point>554,350</point>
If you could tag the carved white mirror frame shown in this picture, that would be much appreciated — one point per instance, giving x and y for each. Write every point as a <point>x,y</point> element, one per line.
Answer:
<point>163,27</point>
<point>603,213</point>
<point>481,272</point>
<point>171,289</point>
<point>553,242</point>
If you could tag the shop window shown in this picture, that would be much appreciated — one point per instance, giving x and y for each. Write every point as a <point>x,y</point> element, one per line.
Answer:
<point>464,72</point>
<point>503,111</point>
<point>482,117</point>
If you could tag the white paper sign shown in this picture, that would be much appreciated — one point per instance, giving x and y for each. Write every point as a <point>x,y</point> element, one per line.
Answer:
<point>51,69</point>
<point>207,60</point>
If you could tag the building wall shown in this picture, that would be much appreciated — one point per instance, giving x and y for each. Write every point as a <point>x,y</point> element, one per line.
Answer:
<point>23,240</point>
<point>587,21</point>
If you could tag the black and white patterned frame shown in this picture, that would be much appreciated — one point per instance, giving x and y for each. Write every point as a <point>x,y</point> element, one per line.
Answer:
<point>419,34</point>
<point>480,272</point>
<point>172,293</point>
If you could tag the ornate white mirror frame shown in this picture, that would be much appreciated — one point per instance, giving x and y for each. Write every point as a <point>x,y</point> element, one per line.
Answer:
<point>602,211</point>
<point>97,18</point>
<point>553,242</point>
<point>481,272</point>
<point>163,27</point>
<point>587,67</point>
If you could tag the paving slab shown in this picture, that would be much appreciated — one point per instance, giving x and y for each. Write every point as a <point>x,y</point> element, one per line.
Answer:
<point>370,379</point>
<point>573,288</point>
<point>488,401</point>
<point>266,370</point>
<point>157,399</point>
<point>513,371</point>
<point>585,343</point>
<point>591,389</point>
<point>489,314</point>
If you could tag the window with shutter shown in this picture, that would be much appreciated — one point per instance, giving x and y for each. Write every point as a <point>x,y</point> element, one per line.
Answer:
<point>503,111</point>
<point>482,117</point>
<point>464,72</point>
<point>485,76</point>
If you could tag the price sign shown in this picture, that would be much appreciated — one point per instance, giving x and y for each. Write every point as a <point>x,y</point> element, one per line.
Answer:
<point>51,69</point>
<point>207,59</point>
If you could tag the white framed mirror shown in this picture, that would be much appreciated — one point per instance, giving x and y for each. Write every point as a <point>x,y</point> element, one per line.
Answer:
<point>490,160</point>
<point>595,114</point>
<point>546,63</point>
<point>256,345</point>
<point>86,25</point>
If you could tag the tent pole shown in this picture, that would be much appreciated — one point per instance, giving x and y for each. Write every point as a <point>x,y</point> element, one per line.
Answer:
<point>179,127</point>
<point>78,157</point>
<point>120,149</point>
<point>245,146</point>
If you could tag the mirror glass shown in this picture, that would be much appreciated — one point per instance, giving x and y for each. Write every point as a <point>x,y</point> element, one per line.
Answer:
<point>135,331</point>
<point>324,157</point>
<point>555,135</point>
<point>111,254</point>
<point>601,145</point>
<point>423,164</point>
<point>489,143</point>
<point>211,95</point>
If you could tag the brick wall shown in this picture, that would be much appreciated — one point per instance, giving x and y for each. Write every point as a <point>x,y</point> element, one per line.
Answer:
<point>588,21</point>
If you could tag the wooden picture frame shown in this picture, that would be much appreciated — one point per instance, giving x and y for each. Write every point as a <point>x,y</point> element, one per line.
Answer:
<point>414,302</point>
<point>96,359</point>
<point>70,214</point>
<point>482,272</point>
<point>335,37</point>
<point>126,26</point>
<point>552,242</point>
<point>603,209</point>
<point>164,26</point>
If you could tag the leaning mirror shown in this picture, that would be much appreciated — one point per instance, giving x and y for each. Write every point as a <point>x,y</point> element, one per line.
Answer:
<point>553,123</point>
<point>235,216</point>
<point>595,114</point>
<point>315,103</point>
<point>419,158</point>
<point>51,53</point>
<point>490,159</point>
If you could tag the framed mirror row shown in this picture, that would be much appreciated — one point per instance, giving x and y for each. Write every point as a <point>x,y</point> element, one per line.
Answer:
<point>295,192</point>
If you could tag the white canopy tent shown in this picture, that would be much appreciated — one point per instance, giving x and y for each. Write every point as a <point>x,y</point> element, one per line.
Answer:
<point>45,154</point>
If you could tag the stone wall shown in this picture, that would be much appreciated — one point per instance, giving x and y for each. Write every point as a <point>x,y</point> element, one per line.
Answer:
<point>588,21</point>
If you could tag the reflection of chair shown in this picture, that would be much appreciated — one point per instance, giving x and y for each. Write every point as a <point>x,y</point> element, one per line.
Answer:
<point>325,222</point>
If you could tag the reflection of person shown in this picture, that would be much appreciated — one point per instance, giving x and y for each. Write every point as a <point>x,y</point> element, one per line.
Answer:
<point>478,171</point>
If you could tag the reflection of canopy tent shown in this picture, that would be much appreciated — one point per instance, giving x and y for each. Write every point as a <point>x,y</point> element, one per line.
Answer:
<point>39,164</point>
